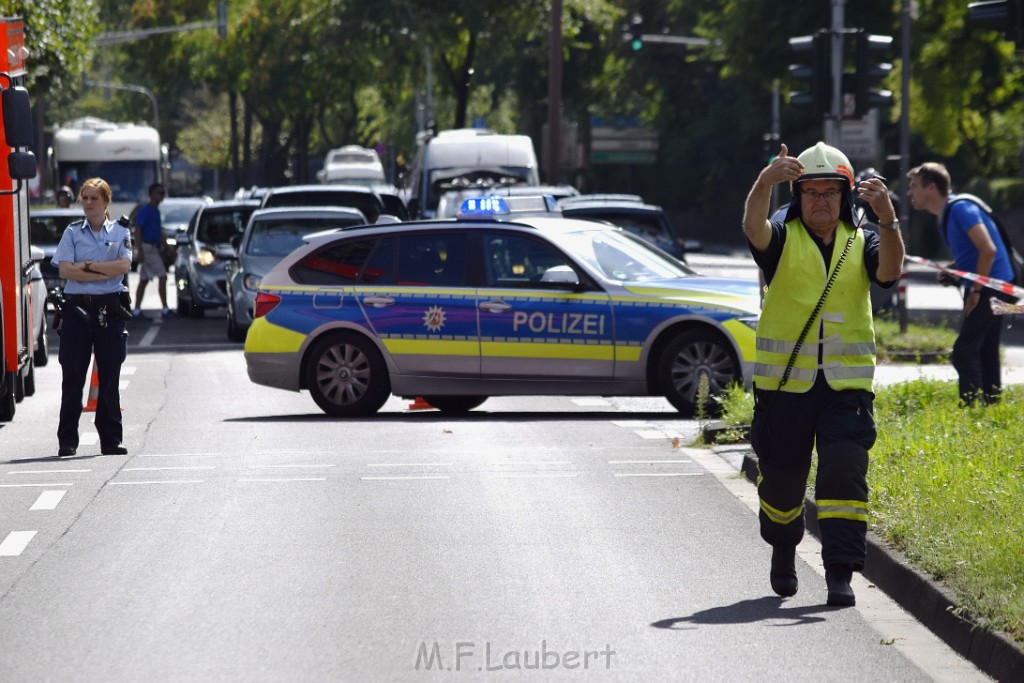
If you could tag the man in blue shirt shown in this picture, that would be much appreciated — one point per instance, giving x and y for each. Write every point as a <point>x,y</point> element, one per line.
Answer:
<point>93,256</point>
<point>149,237</point>
<point>974,240</point>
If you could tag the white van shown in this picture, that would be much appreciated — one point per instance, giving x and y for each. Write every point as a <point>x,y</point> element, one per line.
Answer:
<point>352,165</point>
<point>467,158</point>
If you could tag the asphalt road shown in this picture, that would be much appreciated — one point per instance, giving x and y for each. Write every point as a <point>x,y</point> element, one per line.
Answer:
<point>249,537</point>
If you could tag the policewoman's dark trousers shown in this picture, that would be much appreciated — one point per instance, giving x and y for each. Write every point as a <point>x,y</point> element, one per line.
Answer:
<point>976,352</point>
<point>840,425</point>
<point>79,341</point>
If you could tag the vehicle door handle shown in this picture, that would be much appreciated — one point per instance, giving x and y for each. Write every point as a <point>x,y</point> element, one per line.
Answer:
<point>496,306</point>
<point>378,301</point>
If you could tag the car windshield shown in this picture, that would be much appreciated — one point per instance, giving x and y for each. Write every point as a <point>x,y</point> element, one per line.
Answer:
<point>178,212</point>
<point>622,257</point>
<point>218,227</point>
<point>280,237</point>
<point>48,229</point>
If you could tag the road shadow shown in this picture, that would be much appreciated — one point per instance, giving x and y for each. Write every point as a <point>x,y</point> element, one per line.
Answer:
<point>768,608</point>
<point>475,416</point>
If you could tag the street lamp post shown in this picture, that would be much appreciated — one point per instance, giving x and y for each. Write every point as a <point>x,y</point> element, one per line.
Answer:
<point>129,88</point>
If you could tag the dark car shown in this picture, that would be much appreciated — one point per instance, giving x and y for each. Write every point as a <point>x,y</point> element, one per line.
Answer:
<point>361,198</point>
<point>46,228</point>
<point>643,220</point>
<point>204,248</point>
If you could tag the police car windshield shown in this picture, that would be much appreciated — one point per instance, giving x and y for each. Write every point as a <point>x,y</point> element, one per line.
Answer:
<point>623,257</point>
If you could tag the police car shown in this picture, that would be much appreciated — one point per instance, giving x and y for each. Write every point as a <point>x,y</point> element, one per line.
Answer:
<point>456,311</point>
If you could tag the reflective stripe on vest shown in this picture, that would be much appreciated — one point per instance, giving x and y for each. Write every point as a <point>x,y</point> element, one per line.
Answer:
<point>846,348</point>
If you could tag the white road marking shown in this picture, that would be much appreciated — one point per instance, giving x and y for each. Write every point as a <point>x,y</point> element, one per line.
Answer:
<point>122,385</point>
<point>591,402</point>
<point>128,369</point>
<point>179,455</point>
<point>283,479</point>
<point>18,486</point>
<point>157,469</point>
<point>658,474</point>
<point>46,471</point>
<point>47,500</point>
<point>261,467</point>
<point>652,434</point>
<point>410,478</point>
<point>648,462</point>
<point>529,462</point>
<point>15,543</point>
<point>409,464</point>
<point>532,475</point>
<point>147,339</point>
<point>89,439</point>
<point>162,481</point>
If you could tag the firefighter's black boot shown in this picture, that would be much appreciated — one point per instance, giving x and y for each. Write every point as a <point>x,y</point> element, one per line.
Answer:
<point>783,574</point>
<point>837,580</point>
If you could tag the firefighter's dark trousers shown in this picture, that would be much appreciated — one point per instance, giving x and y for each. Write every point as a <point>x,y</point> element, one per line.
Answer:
<point>841,426</point>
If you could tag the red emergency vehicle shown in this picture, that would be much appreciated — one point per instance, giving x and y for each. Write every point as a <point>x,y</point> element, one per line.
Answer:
<point>16,166</point>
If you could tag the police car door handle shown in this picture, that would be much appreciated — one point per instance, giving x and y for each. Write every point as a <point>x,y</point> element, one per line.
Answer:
<point>495,306</point>
<point>379,301</point>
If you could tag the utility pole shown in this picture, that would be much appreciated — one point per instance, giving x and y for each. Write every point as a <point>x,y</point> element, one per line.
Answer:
<point>555,93</point>
<point>833,119</point>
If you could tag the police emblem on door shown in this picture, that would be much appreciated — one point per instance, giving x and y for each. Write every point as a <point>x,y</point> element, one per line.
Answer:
<point>434,318</point>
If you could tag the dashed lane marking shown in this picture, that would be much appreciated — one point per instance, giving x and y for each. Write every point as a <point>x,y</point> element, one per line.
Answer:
<point>409,478</point>
<point>15,543</point>
<point>409,464</point>
<point>282,479</point>
<point>652,434</point>
<point>658,474</point>
<point>529,462</point>
<point>649,462</point>
<point>89,439</point>
<point>47,471</point>
<point>160,469</point>
<point>585,402</point>
<point>268,467</point>
<point>155,481</point>
<point>47,500</point>
<point>128,369</point>
<point>18,486</point>
<point>531,475</point>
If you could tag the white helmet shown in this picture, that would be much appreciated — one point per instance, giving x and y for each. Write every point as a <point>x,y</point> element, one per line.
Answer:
<point>823,161</point>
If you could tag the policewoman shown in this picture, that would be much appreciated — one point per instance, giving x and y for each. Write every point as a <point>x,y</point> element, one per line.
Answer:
<point>93,257</point>
<point>815,357</point>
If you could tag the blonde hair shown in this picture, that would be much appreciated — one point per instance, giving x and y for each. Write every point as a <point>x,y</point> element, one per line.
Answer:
<point>100,185</point>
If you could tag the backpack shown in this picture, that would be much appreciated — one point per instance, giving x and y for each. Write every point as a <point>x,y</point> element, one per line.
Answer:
<point>1016,259</point>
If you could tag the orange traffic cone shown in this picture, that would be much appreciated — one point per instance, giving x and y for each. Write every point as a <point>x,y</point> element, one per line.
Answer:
<point>94,389</point>
<point>419,404</point>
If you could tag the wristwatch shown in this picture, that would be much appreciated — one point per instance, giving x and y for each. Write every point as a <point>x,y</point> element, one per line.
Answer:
<point>894,226</point>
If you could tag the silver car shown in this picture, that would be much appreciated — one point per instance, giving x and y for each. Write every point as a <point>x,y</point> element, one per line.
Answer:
<point>271,235</point>
<point>204,250</point>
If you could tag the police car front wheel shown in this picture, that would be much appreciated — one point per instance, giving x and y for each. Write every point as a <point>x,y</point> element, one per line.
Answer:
<point>346,376</point>
<point>688,358</point>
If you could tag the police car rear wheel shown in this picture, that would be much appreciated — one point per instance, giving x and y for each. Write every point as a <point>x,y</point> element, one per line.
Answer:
<point>346,375</point>
<point>455,404</point>
<point>687,358</point>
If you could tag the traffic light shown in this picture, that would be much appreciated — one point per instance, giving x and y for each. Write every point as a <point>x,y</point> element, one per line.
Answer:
<point>1006,16</point>
<point>869,73</point>
<point>633,32</point>
<point>816,70</point>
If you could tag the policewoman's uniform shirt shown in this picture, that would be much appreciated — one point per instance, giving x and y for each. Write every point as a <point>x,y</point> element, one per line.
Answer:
<point>80,243</point>
<point>962,217</point>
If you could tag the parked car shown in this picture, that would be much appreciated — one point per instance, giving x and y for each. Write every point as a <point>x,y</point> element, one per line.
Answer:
<point>37,298</point>
<point>46,228</point>
<point>459,310</point>
<point>363,199</point>
<point>269,236</point>
<point>394,203</point>
<point>204,250</point>
<point>647,221</point>
<point>175,214</point>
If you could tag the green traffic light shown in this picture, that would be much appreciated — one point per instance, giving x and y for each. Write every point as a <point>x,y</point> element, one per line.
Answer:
<point>636,44</point>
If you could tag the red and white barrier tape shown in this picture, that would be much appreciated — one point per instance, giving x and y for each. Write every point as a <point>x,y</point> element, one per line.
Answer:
<point>998,307</point>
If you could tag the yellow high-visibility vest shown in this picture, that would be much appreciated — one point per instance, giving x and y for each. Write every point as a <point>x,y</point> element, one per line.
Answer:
<point>843,332</point>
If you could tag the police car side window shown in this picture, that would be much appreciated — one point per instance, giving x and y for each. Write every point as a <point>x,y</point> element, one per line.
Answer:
<point>432,259</point>
<point>338,264</point>
<point>517,261</point>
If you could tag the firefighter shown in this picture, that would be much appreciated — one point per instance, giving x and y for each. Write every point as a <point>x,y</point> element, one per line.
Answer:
<point>815,357</point>
<point>93,256</point>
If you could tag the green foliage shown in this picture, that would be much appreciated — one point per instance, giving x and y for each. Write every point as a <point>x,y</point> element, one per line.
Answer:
<point>58,35</point>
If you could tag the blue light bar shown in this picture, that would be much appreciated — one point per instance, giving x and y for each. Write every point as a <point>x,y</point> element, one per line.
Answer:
<point>483,208</point>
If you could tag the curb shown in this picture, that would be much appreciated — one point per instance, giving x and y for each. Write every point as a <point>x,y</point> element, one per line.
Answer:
<point>935,607</point>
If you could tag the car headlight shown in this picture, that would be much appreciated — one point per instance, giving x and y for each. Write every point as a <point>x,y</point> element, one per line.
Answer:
<point>750,321</point>
<point>251,282</point>
<point>205,257</point>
